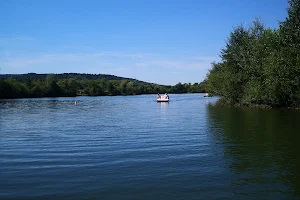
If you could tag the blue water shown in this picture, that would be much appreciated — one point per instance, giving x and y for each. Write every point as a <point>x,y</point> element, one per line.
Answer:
<point>131,147</point>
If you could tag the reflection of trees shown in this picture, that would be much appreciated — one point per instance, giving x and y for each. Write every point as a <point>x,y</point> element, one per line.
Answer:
<point>261,146</point>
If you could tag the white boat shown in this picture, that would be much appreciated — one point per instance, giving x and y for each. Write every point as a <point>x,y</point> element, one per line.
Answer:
<point>206,95</point>
<point>162,100</point>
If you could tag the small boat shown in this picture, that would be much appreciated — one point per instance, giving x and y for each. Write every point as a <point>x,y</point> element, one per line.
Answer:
<point>207,95</point>
<point>162,100</point>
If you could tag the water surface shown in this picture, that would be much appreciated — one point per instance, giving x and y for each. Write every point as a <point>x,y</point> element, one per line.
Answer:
<point>131,147</point>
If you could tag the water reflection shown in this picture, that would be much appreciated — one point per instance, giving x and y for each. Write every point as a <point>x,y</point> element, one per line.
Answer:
<point>163,104</point>
<point>260,147</point>
<point>163,107</point>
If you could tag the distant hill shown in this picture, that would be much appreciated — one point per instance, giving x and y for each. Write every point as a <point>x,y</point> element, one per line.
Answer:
<point>34,85</point>
<point>77,76</point>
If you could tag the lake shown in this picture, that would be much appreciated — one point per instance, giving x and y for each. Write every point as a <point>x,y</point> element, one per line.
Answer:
<point>131,147</point>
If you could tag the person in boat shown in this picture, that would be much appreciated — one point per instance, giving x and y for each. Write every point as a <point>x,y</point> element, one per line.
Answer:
<point>158,96</point>
<point>166,96</point>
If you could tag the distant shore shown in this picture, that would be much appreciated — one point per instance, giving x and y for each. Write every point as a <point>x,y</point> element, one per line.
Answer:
<point>71,84</point>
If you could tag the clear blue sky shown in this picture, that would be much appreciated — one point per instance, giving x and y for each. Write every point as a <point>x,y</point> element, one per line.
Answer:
<point>160,41</point>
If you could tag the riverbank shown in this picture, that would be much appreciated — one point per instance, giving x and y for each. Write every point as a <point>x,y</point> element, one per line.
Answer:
<point>223,102</point>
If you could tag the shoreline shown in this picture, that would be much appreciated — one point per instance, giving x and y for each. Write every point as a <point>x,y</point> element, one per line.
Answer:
<point>222,102</point>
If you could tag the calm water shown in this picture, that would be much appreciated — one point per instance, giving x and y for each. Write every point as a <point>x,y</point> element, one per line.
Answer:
<point>135,148</point>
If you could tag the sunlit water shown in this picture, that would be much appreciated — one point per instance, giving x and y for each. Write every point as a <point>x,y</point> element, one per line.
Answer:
<point>132,147</point>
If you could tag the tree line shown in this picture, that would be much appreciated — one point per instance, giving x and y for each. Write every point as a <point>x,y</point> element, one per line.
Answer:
<point>72,84</point>
<point>261,65</point>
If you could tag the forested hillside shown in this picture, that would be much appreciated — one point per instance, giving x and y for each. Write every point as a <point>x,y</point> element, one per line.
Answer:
<point>73,84</point>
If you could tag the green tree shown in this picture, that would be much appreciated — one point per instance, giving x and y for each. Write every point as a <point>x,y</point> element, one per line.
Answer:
<point>179,88</point>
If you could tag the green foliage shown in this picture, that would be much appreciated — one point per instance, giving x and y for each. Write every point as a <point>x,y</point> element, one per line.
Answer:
<point>260,65</point>
<point>180,88</point>
<point>56,85</point>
